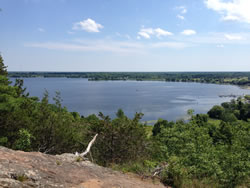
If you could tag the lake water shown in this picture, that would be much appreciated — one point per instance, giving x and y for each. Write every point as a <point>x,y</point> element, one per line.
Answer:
<point>156,99</point>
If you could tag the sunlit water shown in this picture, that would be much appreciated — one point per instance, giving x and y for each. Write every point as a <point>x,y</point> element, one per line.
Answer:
<point>167,100</point>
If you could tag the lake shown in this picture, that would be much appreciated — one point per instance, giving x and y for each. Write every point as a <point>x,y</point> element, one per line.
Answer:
<point>156,99</point>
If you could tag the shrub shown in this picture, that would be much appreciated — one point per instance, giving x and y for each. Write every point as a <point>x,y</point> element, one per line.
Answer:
<point>24,140</point>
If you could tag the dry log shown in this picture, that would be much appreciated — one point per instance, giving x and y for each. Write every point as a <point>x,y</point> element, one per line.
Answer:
<point>88,148</point>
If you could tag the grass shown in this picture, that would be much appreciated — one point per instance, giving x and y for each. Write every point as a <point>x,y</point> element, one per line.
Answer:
<point>22,178</point>
<point>58,163</point>
<point>79,159</point>
<point>139,168</point>
<point>214,121</point>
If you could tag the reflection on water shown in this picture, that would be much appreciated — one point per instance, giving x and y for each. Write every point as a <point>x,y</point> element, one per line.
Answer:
<point>167,100</point>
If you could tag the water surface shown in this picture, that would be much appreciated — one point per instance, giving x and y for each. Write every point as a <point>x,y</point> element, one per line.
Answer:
<point>156,99</point>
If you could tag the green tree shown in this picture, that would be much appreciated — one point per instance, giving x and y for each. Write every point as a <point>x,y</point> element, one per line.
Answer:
<point>216,112</point>
<point>200,119</point>
<point>20,90</point>
<point>120,113</point>
<point>228,117</point>
<point>3,68</point>
<point>159,125</point>
<point>190,112</point>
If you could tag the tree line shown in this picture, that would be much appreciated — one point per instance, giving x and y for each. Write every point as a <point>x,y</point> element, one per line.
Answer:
<point>235,78</point>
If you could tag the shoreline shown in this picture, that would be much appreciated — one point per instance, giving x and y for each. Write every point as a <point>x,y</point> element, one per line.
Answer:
<point>140,80</point>
<point>244,87</point>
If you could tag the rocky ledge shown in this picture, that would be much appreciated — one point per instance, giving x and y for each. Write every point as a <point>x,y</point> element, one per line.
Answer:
<point>33,169</point>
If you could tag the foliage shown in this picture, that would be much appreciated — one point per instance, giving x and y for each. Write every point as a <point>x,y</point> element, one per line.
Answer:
<point>143,167</point>
<point>120,140</point>
<point>3,141</point>
<point>216,112</point>
<point>159,125</point>
<point>247,97</point>
<point>206,152</point>
<point>201,152</point>
<point>22,177</point>
<point>24,140</point>
<point>3,68</point>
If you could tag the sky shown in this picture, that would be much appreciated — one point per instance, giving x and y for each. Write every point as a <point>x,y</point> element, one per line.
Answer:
<point>125,35</point>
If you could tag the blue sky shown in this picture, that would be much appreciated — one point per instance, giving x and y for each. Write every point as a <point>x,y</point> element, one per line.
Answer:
<point>125,35</point>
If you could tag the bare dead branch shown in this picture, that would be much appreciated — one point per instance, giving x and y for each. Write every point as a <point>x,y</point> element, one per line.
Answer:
<point>88,148</point>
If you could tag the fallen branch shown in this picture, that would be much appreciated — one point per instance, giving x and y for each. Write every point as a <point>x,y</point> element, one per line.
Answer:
<point>156,171</point>
<point>159,169</point>
<point>88,148</point>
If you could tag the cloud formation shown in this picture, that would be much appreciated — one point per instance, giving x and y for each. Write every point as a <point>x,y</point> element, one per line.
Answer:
<point>121,47</point>
<point>188,32</point>
<point>233,37</point>
<point>183,10</point>
<point>236,10</point>
<point>216,38</point>
<point>88,25</point>
<point>148,32</point>
<point>180,17</point>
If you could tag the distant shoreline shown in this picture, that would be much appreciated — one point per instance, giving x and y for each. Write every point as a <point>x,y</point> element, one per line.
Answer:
<point>241,79</point>
<point>242,87</point>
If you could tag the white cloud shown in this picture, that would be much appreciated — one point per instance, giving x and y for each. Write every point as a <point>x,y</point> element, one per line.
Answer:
<point>144,46</point>
<point>236,10</point>
<point>233,37</point>
<point>180,17</point>
<point>148,32</point>
<point>90,46</point>
<point>144,34</point>
<point>88,25</point>
<point>160,32</point>
<point>183,9</point>
<point>216,38</point>
<point>111,46</point>
<point>41,30</point>
<point>188,32</point>
<point>123,35</point>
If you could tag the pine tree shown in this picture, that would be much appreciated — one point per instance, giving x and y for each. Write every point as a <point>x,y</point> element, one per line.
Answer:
<point>3,68</point>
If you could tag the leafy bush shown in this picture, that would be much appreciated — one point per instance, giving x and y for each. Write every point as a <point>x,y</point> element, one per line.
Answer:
<point>216,112</point>
<point>120,140</point>
<point>24,140</point>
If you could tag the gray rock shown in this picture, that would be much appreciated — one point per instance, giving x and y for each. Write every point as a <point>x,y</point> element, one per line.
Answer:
<point>33,169</point>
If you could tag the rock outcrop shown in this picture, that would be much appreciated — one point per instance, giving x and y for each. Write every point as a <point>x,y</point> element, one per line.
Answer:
<point>33,169</point>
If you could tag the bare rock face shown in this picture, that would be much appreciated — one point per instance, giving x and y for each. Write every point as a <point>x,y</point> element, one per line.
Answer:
<point>33,169</point>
